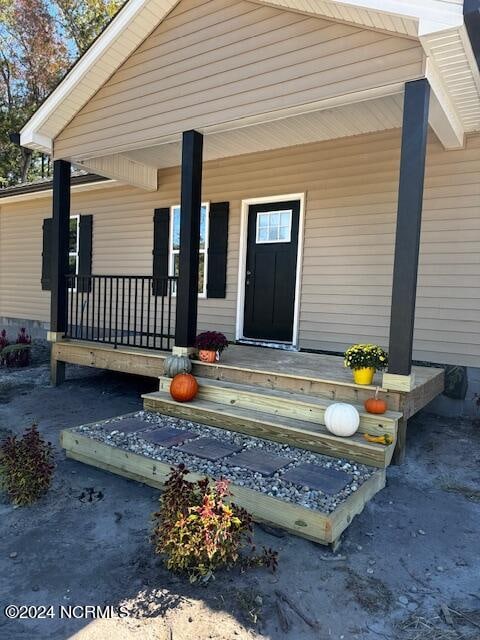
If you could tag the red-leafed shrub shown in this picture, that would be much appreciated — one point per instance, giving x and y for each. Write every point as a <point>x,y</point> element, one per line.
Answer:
<point>198,531</point>
<point>26,466</point>
<point>17,354</point>
<point>3,340</point>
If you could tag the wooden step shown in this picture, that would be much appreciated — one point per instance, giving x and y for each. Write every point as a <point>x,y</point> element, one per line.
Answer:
<point>328,383</point>
<point>285,403</point>
<point>294,432</point>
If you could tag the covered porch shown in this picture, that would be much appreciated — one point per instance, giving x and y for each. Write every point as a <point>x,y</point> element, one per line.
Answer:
<point>129,323</point>
<point>159,311</point>
<point>270,80</point>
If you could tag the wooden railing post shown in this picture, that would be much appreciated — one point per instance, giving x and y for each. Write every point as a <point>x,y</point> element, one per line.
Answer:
<point>190,211</point>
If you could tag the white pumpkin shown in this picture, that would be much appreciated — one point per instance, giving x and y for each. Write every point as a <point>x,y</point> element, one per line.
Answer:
<point>342,419</point>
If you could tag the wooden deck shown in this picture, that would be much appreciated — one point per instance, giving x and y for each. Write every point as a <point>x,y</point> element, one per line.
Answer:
<point>304,377</point>
<point>275,368</point>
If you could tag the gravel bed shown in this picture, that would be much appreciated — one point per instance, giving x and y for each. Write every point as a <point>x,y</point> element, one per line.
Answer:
<point>273,485</point>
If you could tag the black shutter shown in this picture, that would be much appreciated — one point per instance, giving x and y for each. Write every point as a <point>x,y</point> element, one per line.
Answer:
<point>85,253</point>
<point>161,228</point>
<point>217,250</point>
<point>47,254</point>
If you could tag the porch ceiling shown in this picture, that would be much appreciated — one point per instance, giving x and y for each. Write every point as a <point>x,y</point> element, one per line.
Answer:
<point>349,120</point>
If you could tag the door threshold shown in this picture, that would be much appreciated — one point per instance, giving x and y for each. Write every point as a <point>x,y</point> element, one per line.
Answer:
<point>283,346</point>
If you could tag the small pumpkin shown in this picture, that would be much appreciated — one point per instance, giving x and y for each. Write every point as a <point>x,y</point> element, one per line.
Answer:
<point>376,405</point>
<point>183,387</point>
<point>342,419</point>
<point>174,365</point>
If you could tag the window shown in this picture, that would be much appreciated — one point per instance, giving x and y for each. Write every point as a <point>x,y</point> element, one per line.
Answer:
<point>175,246</point>
<point>274,226</point>
<point>74,243</point>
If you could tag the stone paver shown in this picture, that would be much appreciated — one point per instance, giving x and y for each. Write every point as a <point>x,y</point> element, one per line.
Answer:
<point>318,478</point>
<point>128,425</point>
<point>209,448</point>
<point>168,436</point>
<point>258,461</point>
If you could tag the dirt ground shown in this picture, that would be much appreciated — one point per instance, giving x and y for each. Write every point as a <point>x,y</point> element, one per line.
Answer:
<point>412,552</point>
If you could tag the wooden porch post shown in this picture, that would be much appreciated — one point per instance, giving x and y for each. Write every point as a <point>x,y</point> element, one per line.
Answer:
<point>407,242</point>
<point>407,246</point>
<point>190,207</point>
<point>59,265</point>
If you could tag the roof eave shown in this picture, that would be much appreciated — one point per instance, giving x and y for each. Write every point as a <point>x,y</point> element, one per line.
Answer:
<point>41,130</point>
<point>33,134</point>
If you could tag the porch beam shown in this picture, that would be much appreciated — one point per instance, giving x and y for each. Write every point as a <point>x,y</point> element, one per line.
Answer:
<point>407,241</point>
<point>443,116</point>
<point>59,265</point>
<point>119,167</point>
<point>190,207</point>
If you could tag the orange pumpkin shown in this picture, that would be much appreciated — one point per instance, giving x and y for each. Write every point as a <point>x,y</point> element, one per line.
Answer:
<point>376,405</point>
<point>183,387</point>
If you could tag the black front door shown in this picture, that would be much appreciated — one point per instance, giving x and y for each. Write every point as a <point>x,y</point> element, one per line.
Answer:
<point>270,277</point>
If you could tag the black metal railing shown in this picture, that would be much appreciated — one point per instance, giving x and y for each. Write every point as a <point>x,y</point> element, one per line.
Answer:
<point>122,310</point>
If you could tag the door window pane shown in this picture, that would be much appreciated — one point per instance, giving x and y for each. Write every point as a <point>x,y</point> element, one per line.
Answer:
<point>274,226</point>
<point>273,234</point>
<point>262,234</point>
<point>263,220</point>
<point>274,219</point>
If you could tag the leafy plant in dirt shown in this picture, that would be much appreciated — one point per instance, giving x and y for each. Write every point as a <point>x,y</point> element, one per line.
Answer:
<point>199,531</point>
<point>3,340</point>
<point>18,354</point>
<point>26,466</point>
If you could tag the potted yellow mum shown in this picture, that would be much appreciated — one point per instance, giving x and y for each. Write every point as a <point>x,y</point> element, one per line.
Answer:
<point>364,360</point>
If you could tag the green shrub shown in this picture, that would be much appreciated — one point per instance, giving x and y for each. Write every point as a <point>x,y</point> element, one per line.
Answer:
<point>198,531</point>
<point>26,466</point>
